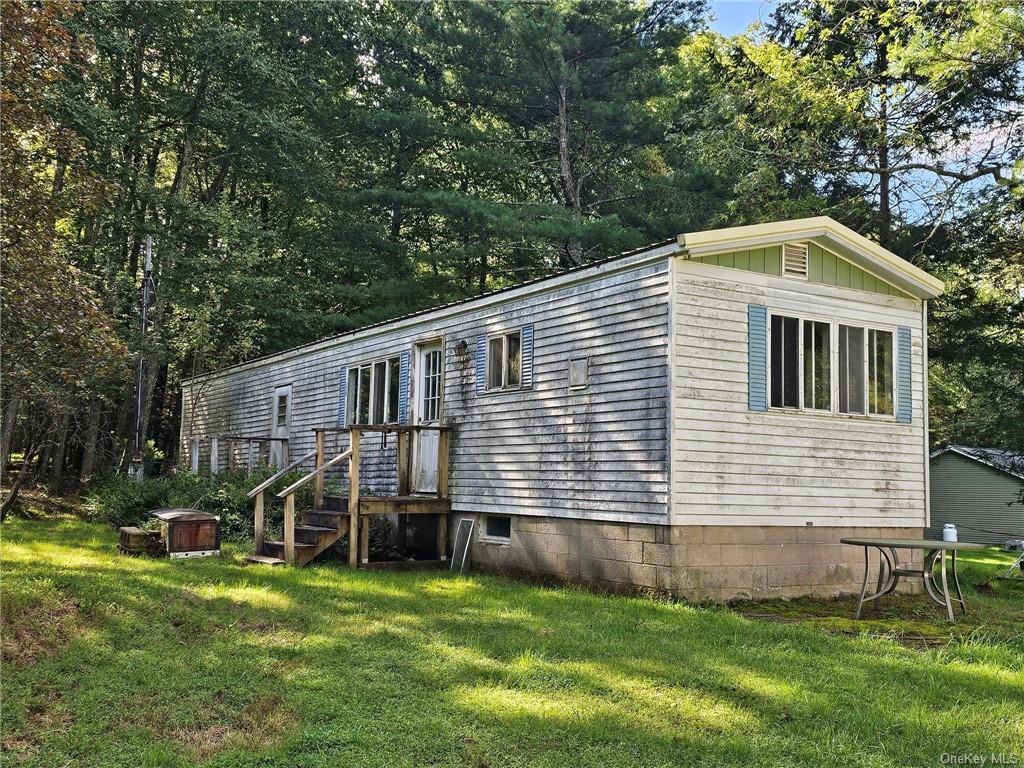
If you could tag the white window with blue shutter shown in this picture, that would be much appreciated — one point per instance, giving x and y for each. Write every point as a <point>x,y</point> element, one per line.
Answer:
<point>791,366</point>
<point>504,361</point>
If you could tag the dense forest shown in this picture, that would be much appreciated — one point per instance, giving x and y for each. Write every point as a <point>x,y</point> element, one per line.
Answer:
<point>306,168</point>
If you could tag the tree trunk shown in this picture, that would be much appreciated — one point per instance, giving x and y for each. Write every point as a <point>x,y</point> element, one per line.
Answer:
<point>60,454</point>
<point>12,495</point>
<point>884,175</point>
<point>7,430</point>
<point>573,249</point>
<point>92,434</point>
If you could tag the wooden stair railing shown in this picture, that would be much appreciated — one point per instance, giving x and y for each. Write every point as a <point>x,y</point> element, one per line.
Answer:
<point>260,489</point>
<point>288,494</point>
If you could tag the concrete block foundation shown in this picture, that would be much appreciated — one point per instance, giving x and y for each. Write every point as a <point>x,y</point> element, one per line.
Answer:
<point>717,563</point>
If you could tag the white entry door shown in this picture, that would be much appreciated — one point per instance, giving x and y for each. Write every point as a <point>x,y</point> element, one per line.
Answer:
<point>429,402</point>
<point>280,420</point>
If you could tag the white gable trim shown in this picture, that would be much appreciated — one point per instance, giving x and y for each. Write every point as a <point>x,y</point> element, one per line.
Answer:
<point>828,233</point>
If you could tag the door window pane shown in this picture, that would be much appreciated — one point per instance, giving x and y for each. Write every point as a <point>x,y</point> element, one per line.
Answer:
<point>851,369</point>
<point>785,384</point>
<point>817,366</point>
<point>880,383</point>
<point>431,394</point>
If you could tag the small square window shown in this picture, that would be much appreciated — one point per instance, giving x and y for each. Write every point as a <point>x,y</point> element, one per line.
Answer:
<point>579,372</point>
<point>498,527</point>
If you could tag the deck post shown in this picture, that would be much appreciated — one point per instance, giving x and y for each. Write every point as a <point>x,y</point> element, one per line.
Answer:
<point>318,481</point>
<point>289,529</point>
<point>442,492</point>
<point>258,522</point>
<point>364,541</point>
<point>442,464</point>
<point>353,498</point>
<point>404,461</point>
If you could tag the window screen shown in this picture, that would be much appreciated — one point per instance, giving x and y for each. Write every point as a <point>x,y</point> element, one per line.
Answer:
<point>851,369</point>
<point>880,376</point>
<point>785,362</point>
<point>817,365</point>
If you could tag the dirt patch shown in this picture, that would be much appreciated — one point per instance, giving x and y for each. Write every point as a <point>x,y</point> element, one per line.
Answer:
<point>30,632</point>
<point>17,749</point>
<point>261,725</point>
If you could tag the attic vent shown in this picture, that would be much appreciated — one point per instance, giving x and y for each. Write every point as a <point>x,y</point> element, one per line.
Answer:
<point>794,259</point>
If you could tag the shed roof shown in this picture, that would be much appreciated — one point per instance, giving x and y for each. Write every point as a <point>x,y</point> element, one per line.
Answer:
<point>1010,462</point>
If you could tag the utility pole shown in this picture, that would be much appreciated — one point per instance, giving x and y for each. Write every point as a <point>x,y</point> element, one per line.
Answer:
<point>136,469</point>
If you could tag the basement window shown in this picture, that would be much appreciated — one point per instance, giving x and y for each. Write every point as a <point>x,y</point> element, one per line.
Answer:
<point>497,529</point>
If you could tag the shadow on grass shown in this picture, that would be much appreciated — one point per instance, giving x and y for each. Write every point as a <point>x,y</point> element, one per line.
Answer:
<point>415,669</point>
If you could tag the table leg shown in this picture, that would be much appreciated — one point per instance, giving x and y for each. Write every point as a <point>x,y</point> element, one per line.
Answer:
<point>884,569</point>
<point>945,587</point>
<point>864,586</point>
<point>895,577</point>
<point>956,583</point>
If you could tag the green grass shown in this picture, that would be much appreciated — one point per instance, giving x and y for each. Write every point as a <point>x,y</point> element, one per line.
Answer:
<point>118,661</point>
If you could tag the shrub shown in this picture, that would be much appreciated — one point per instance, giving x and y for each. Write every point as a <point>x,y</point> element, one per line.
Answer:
<point>122,501</point>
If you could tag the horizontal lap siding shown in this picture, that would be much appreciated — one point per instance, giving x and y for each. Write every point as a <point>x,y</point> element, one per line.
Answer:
<point>976,498</point>
<point>599,453</point>
<point>734,466</point>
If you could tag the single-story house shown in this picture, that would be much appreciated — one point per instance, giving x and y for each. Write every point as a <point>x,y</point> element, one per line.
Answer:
<point>979,491</point>
<point>706,416</point>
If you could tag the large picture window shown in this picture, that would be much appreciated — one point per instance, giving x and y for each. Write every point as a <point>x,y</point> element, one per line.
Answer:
<point>373,392</point>
<point>820,365</point>
<point>504,361</point>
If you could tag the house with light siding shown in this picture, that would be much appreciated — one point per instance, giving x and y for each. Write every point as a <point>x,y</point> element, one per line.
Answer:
<point>704,417</point>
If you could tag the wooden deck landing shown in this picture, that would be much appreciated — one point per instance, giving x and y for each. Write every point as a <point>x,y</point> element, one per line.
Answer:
<point>404,505</point>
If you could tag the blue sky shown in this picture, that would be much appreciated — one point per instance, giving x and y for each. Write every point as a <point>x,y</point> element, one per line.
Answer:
<point>731,17</point>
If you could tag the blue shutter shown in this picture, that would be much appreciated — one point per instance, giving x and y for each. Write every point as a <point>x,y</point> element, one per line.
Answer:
<point>904,399</point>
<point>342,401</point>
<point>403,387</point>
<point>481,364</point>
<point>526,357</point>
<point>757,357</point>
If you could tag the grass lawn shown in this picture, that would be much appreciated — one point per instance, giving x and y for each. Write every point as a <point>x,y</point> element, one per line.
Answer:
<point>117,661</point>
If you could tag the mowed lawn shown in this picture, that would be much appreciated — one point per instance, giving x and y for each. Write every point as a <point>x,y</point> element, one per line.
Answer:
<point>119,661</point>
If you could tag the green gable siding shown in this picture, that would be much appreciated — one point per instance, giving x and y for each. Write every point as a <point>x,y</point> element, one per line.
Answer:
<point>823,267</point>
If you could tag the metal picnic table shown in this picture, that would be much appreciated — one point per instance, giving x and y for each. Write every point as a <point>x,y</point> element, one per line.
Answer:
<point>890,570</point>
